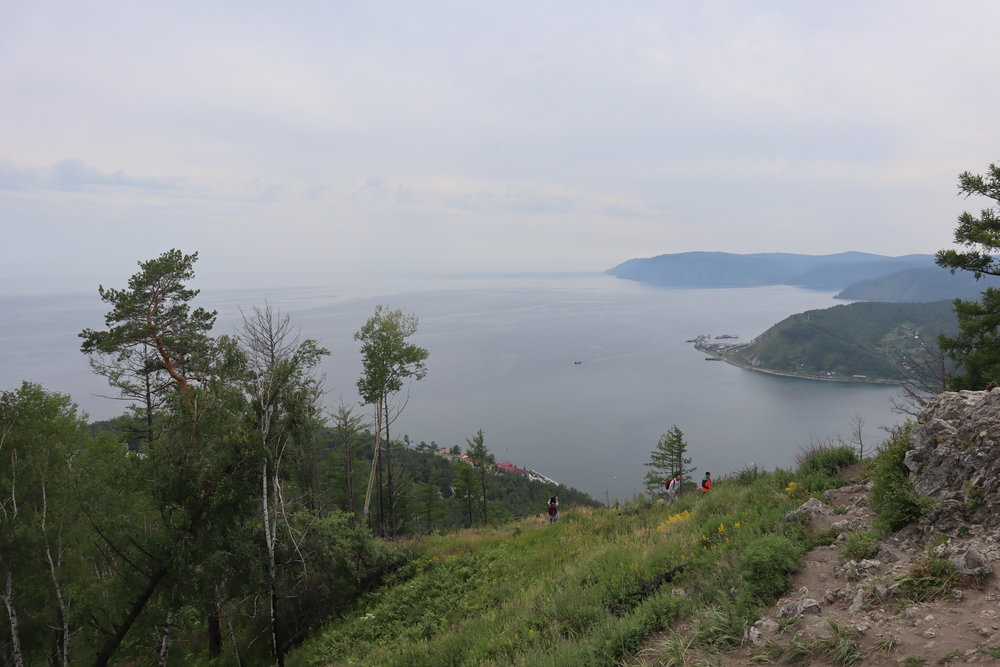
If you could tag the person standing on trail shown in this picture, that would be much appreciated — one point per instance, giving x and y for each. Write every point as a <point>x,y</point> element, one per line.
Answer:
<point>706,483</point>
<point>553,509</point>
<point>673,488</point>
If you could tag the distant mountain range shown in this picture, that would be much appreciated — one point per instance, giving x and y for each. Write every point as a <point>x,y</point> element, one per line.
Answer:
<point>931,283</point>
<point>859,276</point>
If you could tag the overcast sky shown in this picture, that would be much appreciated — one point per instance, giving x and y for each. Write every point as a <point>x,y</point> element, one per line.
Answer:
<point>288,139</point>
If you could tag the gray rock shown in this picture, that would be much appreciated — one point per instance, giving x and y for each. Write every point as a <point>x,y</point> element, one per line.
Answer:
<point>809,606</point>
<point>972,563</point>
<point>790,610</point>
<point>766,624</point>
<point>955,459</point>
<point>813,508</point>
<point>885,555</point>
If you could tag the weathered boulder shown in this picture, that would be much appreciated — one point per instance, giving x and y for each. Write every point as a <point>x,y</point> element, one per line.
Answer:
<point>813,508</point>
<point>956,459</point>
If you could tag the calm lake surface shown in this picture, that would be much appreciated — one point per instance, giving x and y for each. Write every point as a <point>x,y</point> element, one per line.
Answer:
<point>503,353</point>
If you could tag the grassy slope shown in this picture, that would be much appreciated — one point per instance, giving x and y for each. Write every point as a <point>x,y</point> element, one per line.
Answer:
<point>586,591</point>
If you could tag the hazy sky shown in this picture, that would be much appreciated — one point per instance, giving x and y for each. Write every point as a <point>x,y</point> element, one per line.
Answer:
<point>282,140</point>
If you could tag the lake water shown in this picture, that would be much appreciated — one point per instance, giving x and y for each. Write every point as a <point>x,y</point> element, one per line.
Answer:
<point>503,353</point>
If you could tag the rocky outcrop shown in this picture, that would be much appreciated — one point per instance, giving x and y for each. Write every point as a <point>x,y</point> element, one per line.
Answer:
<point>955,464</point>
<point>955,460</point>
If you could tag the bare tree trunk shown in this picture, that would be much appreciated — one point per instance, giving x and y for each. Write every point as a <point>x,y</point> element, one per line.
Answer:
<point>483,475</point>
<point>8,601</point>
<point>148,397</point>
<point>214,633</point>
<point>236,646</point>
<point>390,481</point>
<point>53,571</point>
<point>351,504</point>
<point>857,433</point>
<point>112,642</point>
<point>270,539</point>
<point>379,490</point>
<point>165,638</point>
<point>375,476</point>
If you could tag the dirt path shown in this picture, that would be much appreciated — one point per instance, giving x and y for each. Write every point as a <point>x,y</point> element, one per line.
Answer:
<point>857,603</point>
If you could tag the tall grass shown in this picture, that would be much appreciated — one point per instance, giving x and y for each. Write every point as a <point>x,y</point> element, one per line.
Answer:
<point>588,590</point>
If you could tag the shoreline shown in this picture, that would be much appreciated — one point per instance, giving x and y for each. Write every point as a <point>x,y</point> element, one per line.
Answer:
<point>722,356</point>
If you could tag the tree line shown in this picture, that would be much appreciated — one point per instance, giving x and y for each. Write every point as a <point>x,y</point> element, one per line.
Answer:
<point>225,511</point>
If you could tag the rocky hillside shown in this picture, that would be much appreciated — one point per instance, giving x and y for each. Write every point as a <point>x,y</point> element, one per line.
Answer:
<point>926,594</point>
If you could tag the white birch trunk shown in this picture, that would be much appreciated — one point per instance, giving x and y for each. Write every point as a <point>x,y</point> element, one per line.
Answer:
<point>8,601</point>
<point>53,571</point>
<point>168,625</point>
<point>375,458</point>
<point>270,530</point>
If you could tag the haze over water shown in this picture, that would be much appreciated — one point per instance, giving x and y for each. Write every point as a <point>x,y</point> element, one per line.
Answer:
<point>502,358</point>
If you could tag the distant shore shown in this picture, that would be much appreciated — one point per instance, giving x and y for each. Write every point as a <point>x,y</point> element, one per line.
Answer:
<point>722,355</point>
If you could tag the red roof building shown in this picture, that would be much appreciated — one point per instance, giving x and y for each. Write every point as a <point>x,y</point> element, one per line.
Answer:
<point>509,467</point>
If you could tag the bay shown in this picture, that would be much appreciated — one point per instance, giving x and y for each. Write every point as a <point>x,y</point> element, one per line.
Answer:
<point>575,376</point>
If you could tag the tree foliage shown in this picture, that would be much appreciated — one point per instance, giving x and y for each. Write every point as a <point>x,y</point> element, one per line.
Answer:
<point>219,525</point>
<point>979,235</point>
<point>975,347</point>
<point>387,360</point>
<point>666,460</point>
<point>479,454</point>
<point>152,331</point>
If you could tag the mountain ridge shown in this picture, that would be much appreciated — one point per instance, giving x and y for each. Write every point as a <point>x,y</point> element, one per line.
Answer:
<point>723,269</point>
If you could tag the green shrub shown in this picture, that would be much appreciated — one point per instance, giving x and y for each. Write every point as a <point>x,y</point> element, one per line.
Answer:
<point>928,580</point>
<point>747,475</point>
<point>826,459</point>
<point>767,566</point>
<point>821,538</point>
<point>816,481</point>
<point>861,545</point>
<point>892,498</point>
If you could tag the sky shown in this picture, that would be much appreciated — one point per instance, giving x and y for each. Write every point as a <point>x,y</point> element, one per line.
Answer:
<point>286,141</point>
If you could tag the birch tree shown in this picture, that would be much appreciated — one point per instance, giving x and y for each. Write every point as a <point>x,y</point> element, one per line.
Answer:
<point>388,360</point>
<point>40,432</point>
<point>284,395</point>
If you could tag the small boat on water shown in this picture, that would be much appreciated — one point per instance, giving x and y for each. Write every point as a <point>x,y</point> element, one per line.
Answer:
<point>712,359</point>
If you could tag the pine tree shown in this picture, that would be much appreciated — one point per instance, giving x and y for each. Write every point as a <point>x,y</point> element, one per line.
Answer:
<point>480,456</point>
<point>667,460</point>
<point>975,347</point>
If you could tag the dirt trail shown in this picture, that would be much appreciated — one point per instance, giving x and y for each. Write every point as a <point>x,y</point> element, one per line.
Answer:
<point>963,627</point>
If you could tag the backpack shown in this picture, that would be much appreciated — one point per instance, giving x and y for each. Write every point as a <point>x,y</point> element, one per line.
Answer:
<point>553,509</point>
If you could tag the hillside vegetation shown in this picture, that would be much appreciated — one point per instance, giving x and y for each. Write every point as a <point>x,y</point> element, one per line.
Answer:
<point>859,339</point>
<point>589,589</point>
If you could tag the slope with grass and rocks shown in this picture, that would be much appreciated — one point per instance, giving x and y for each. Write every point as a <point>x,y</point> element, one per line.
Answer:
<point>926,591</point>
<point>833,562</point>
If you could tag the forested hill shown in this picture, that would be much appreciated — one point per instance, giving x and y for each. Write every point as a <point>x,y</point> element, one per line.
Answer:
<point>721,269</point>
<point>873,340</point>
<point>930,283</point>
